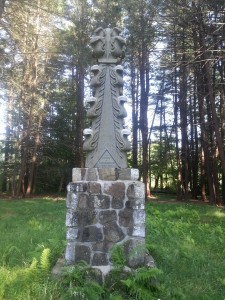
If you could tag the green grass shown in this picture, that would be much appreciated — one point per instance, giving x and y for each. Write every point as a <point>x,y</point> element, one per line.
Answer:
<point>187,242</point>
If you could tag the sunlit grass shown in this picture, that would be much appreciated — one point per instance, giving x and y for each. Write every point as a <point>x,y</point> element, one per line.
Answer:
<point>27,229</point>
<point>187,242</point>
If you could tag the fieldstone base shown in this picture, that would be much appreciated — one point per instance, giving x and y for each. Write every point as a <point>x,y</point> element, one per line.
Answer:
<point>105,207</point>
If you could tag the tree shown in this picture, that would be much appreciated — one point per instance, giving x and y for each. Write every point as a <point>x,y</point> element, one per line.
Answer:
<point>140,16</point>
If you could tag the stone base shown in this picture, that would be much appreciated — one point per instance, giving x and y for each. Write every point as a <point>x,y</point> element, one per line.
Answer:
<point>105,208</point>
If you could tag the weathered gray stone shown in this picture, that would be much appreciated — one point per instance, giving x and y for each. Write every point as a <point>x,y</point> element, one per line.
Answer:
<point>149,261</point>
<point>92,174</point>
<point>84,201</point>
<point>71,219</point>
<point>139,216</point>
<point>138,230</point>
<point>117,203</point>
<point>126,218</point>
<point>101,201</point>
<point>76,174</point>
<point>135,252</point>
<point>115,189</point>
<point>86,217</point>
<point>91,234</point>
<point>107,174</point>
<point>71,200</point>
<point>77,187</point>
<point>136,203</point>
<point>70,253</point>
<point>113,233</point>
<point>82,252</point>
<point>107,216</point>
<point>136,190</point>
<point>71,233</point>
<point>127,174</point>
<point>79,174</point>
<point>94,187</point>
<point>100,259</point>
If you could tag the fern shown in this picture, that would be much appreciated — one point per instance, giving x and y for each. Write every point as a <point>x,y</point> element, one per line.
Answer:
<point>143,284</point>
<point>147,274</point>
<point>45,260</point>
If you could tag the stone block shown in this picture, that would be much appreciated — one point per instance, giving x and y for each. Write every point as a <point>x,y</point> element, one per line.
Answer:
<point>113,233</point>
<point>70,253</point>
<point>127,174</point>
<point>94,187</point>
<point>91,234</point>
<point>77,187</point>
<point>126,218</point>
<point>138,230</point>
<point>84,201</point>
<point>135,252</point>
<point>71,219</point>
<point>71,233</point>
<point>115,189</point>
<point>139,216</point>
<point>82,252</point>
<point>107,216</point>
<point>100,259</point>
<point>71,200</point>
<point>135,203</point>
<point>117,203</point>
<point>136,190</point>
<point>92,174</point>
<point>86,217</point>
<point>76,175</point>
<point>107,173</point>
<point>101,201</point>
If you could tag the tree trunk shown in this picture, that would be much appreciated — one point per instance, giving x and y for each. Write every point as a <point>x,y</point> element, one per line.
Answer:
<point>134,117</point>
<point>144,85</point>
<point>8,145</point>
<point>183,124</point>
<point>2,5</point>
<point>79,92</point>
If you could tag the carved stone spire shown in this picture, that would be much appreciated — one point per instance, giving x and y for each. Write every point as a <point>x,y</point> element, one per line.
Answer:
<point>106,142</point>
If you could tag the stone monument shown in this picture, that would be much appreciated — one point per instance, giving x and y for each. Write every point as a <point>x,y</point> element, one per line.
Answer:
<point>105,201</point>
<point>106,141</point>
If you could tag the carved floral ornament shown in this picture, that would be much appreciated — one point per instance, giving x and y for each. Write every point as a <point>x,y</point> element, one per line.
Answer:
<point>107,45</point>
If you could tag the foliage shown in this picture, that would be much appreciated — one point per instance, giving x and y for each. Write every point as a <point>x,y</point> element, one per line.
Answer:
<point>144,284</point>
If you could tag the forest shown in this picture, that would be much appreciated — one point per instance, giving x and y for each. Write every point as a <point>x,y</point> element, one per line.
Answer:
<point>174,79</point>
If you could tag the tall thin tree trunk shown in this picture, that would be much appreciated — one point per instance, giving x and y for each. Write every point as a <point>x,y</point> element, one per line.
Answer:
<point>79,85</point>
<point>8,145</point>
<point>183,124</point>
<point>134,118</point>
<point>2,5</point>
